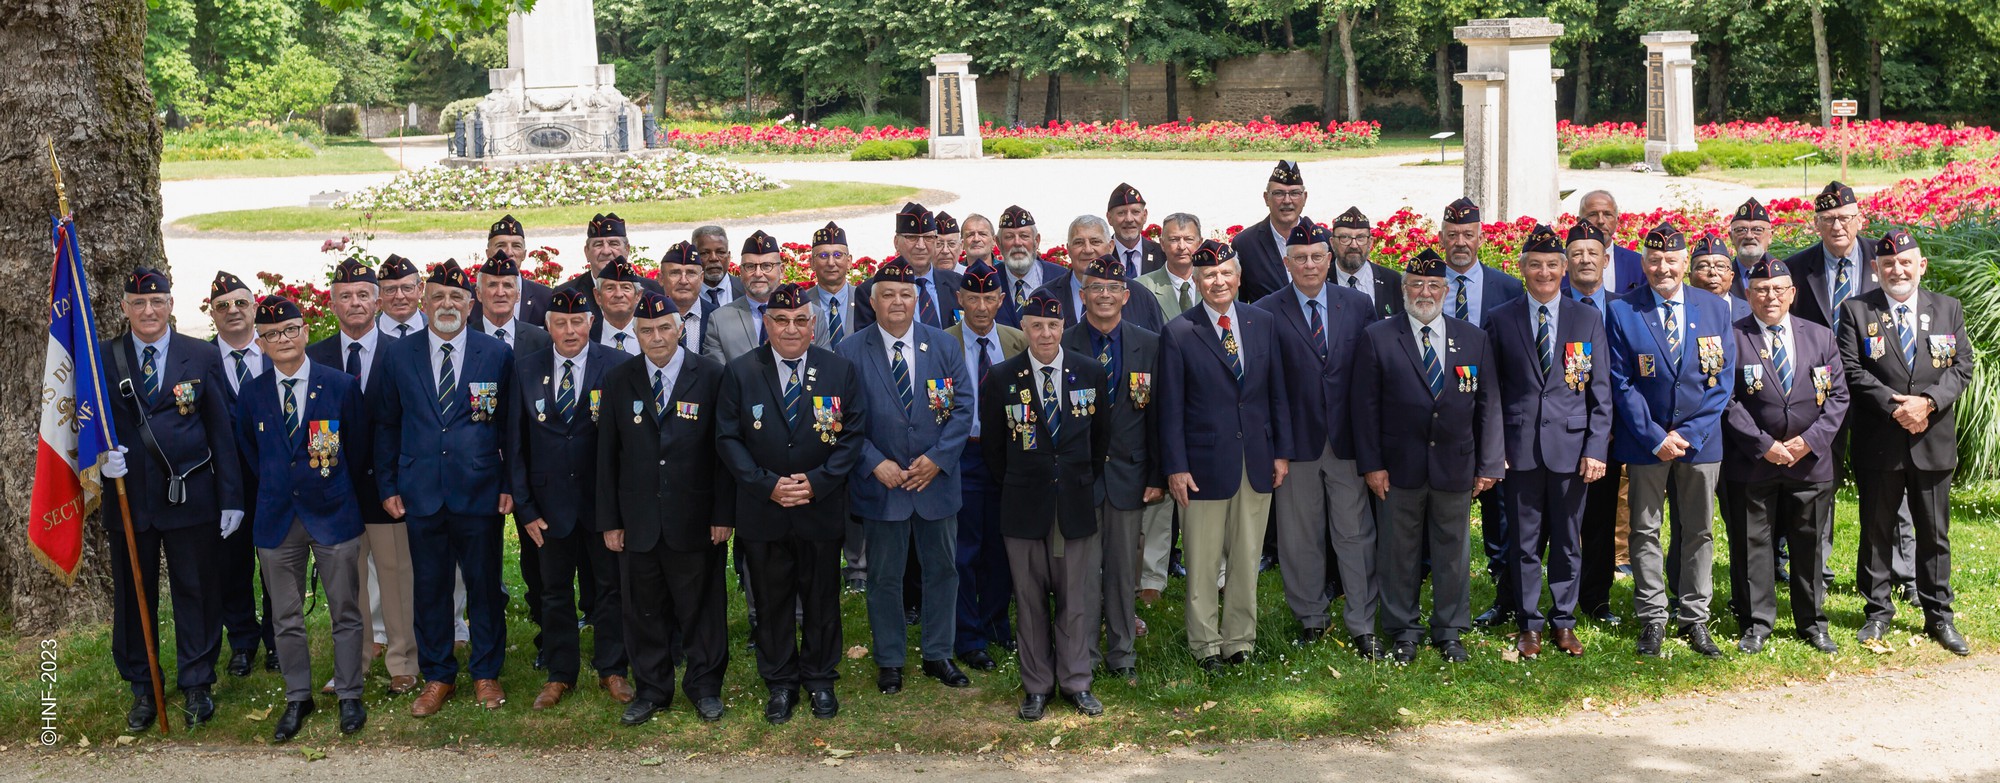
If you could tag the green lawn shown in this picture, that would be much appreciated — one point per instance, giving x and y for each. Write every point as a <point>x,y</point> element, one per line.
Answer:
<point>1284,693</point>
<point>803,195</point>
<point>346,156</point>
<point>1791,177</point>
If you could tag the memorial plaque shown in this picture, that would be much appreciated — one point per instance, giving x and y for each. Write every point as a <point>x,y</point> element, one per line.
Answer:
<point>951,114</point>
<point>1656,97</point>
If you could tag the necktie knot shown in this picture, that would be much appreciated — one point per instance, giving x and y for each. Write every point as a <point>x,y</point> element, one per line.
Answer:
<point>238,353</point>
<point>1223,322</point>
<point>1776,328</point>
<point>447,348</point>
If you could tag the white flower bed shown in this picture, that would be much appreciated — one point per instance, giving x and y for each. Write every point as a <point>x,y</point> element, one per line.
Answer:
<point>665,175</point>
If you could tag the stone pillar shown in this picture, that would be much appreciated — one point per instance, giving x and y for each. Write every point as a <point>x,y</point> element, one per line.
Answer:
<point>1510,117</point>
<point>954,108</point>
<point>1669,93</point>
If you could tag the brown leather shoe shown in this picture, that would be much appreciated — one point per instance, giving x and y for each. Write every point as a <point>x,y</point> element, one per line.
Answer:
<point>552,693</point>
<point>488,693</point>
<point>432,699</point>
<point>401,684</point>
<point>619,688</point>
<point>1565,640</point>
<point>1529,644</point>
<point>375,650</point>
<point>1149,596</point>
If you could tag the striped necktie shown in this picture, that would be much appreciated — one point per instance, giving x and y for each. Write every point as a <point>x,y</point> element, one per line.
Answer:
<point>1545,342</point>
<point>1051,413</point>
<point>1464,310</point>
<point>899,373</point>
<point>242,367</point>
<point>1780,357</point>
<point>1843,287</point>
<point>1229,347</point>
<point>149,374</point>
<point>447,380</point>
<point>1433,369</point>
<point>1672,326</point>
<point>618,340</point>
<point>927,306</point>
<point>794,397</point>
<point>291,410</point>
<point>985,359</point>
<point>1318,329</point>
<point>1908,335</point>
<point>659,393</point>
<point>835,325</point>
<point>1020,293</point>
<point>566,391</point>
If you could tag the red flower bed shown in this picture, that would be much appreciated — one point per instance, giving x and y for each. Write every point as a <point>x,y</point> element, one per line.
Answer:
<point>1264,135</point>
<point>1870,143</point>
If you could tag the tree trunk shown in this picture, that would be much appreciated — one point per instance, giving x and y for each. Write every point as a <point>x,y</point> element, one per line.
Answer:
<point>1290,42</point>
<point>1125,85</point>
<point>1580,107</point>
<point>1718,80</point>
<point>1329,93</point>
<point>75,74</point>
<point>1173,92</point>
<point>1874,77</point>
<point>1443,65</point>
<point>1824,61</point>
<point>747,106</point>
<point>1052,102</point>
<point>1014,97</point>
<point>660,82</point>
<point>1352,75</point>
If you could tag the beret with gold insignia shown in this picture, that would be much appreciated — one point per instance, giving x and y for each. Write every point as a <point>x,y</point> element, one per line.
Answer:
<point>653,305</point>
<point>946,224</point>
<point>570,301</point>
<point>506,226</point>
<point>1124,195</point>
<point>449,273</point>
<point>1287,173</point>
<point>224,283</point>
<point>1307,233</point>
<point>1212,253</point>
<point>396,267</point>
<point>276,309</point>
<point>980,278</point>
<point>1895,241</point>
<point>786,297</point>
<point>1834,196</point>
<point>1752,210</point>
<point>1461,212</point>
<point>913,218</point>
<point>1768,266</point>
<point>1666,236</point>
<point>1016,217</point>
<point>501,265</point>
<point>830,234</point>
<point>608,224</point>
<point>1352,218</point>
<point>146,280</point>
<point>1427,264</point>
<point>1542,240</point>
<point>1042,305</point>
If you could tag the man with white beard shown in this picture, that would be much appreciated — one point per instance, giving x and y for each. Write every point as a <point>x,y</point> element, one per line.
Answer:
<point>1021,257</point>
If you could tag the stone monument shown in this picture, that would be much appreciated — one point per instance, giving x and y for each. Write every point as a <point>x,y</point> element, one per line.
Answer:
<point>1669,93</point>
<point>554,100</point>
<point>954,108</point>
<point>1510,116</point>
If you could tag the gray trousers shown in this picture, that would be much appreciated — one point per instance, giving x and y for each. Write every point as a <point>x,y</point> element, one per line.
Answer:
<point>1119,530</point>
<point>1324,503</point>
<point>1157,529</point>
<point>1694,544</point>
<point>1056,644</point>
<point>1403,519</point>
<point>340,579</point>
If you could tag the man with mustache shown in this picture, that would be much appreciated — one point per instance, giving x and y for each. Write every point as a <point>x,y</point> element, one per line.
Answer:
<point>1260,246</point>
<point>1353,244</point>
<point>1750,239</point>
<point>1024,269</point>
<point>230,307</point>
<point>507,236</point>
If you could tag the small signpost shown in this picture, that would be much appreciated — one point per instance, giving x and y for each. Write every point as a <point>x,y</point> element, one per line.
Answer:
<point>1844,108</point>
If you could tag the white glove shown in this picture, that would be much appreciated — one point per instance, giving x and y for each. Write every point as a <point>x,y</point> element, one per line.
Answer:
<point>114,464</point>
<point>231,520</point>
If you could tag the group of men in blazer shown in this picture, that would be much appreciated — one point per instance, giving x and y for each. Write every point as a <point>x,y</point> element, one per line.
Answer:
<point>1017,432</point>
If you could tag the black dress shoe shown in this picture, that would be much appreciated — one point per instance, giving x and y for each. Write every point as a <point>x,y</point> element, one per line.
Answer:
<point>857,585</point>
<point>1650,639</point>
<point>142,714</point>
<point>239,662</point>
<point>1908,594</point>
<point>708,708</point>
<point>1368,647</point>
<point>824,704</point>
<point>1177,570</point>
<point>1266,563</point>
<point>1452,651</point>
<point>889,679</point>
<point>1781,578</point>
<point>944,671</point>
<point>352,716</point>
<point>1871,630</point>
<point>293,719</point>
<point>1603,614</point>
<point>912,616</point>
<point>1752,642</point>
<point>540,662</point>
<point>1822,642</point>
<point>1405,652</point>
<point>200,707</point>
<point>1309,635</point>
<point>1241,657</point>
<point>1212,664</point>
<point>271,661</point>
<point>1085,703</point>
<point>778,709</point>
<point>1033,706</point>
<point>1698,640</point>
<point>1492,617</point>
<point>1946,634</point>
<point>979,659</point>
<point>639,711</point>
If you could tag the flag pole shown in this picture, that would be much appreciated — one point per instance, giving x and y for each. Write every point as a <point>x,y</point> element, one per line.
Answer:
<point>125,511</point>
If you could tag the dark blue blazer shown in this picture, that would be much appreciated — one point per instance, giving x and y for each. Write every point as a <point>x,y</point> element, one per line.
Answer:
<point>1318,398</point>
<point>1010,314</point>
<point>192,364</point>
<point>554,462</point>
<point>1197,393</point>
<point>1443,442</point>
<point>1675,397</point>
<point>326,353</point>
<point>1057,483</point>
<point>1131,430</point>
<point>1142,309</point>
<point>1813,275</point>
<point>249,472</point>
<point>658,474</point>
<point>899,436</point>
<point>289,487</point>
<point>1261,259</point>
<point>442,461</point>
<point>1549,425</point>
<point>759,446</point>
<point>1762,413</point>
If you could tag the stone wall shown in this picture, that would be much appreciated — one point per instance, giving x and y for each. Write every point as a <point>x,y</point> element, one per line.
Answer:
<point>1243,88</point>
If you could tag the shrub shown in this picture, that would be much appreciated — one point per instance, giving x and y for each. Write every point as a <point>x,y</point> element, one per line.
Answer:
<point>241,142</point>
<point>923,147</point>
<point>1614,153</point>
<point>1681,164</point>
<point>880,149</point>
<point>1017,148</point>
<point>295,83</point>
<point>855,121</point>
<point>1734,154</point>
<point>448,116</point>
<point>342,121</point>
<point>1304,112</point>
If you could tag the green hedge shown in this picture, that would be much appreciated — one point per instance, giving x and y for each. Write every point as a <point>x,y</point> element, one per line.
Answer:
<point>1613,153</point>
<point>1012,148</point>
<point>880,149</point>
<point>1681,164</point>
<point>448,116</point>
<point>1726,154</point>
<point>241,142</point>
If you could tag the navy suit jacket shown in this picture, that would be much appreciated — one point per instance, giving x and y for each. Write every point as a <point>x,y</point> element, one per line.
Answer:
<point>528,338</point>
<point>1142,309</point>
<point>1262,260</point>
<point>203,432</point>
<point>1131,430</point>
<point>1652,394</point>
<point>1010,313</point>
<point>658,474</point>
<point>1495,288</point>
<point>1318,398</point>
<point>1197,392</point>
<point>553,461</point>
<point>1944,369</point>
<point>1762,412</point>
<point>759,447</point>
<point>897,436</point>
<point>1388,299</point>
<point>1443,442</point>
<point>289,487</point>
<point>1812,273</point>
<point>361,440</point>
<point>1056,483</point>
<point>945,285</point>
<point>438,459</point>
<point>1151,257</point>
<point>1550,425</point>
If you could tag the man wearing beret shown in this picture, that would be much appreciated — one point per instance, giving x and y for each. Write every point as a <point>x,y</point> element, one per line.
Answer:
<point>945,258</point>
<point>1089,238</point>
<point>291,427</point>
<point>1711,268</point>
<point>1622,270</point>
<point>680,275</point>
<point>1749,239</point>
<point>1672,356</point>
<point>507,236</point>
<point>1791,397</point>
<point>790,430</point>
<point>440,424</point>
<point>1353,244</point>
<point>1419,380</point>
<point>185,480</point>
<point>552,453</point>
<point>1219,357</point>
<point>604,240</point>
<point>906,490</point>
<point>937,289</point>
<point>737,328</point>
<point>1126,212</point>
<point>1603,537</point>
<point>832,294</point>
<point>711,247</point>
<point>1129,356</point>
<point>984,585</point>
<point>616,292</point>
<point>232,309</point>
<point>1908,358</point>
<point>385,587</point>
<point>1021,261</point>
<point>666,511</point>
<point>1555,396</point>
<point>499,289</point>
<point>1047,443</point>
<point>1323,505</point>
<point>1260,246</point>
<point>402,297</point>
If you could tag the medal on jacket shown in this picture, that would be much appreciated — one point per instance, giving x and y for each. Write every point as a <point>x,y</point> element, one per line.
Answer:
<point>826,417</point>
<point>596,397</point>
<point>541,410</point>
<point>1021,419</point>
<point>1753,378</point>
<point>1082,402</point>
<point>1944,350</point>
<point>1822,382</point>
<point>323,445</point>
<point>1710,350</point>
<point>1877,346</point>
<point>1576,365</point>
<point>687,410</point>
<point>1468,377</point>
<point>939,392</point>
<point>639,411</point>
<point>485,398</point>
<point>186,394</point>
<point>1645,361</point>
<point>1142,389</point>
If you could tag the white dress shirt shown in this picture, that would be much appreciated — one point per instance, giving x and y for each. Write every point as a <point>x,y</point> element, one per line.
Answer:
<point>1437,336</point>
<point>457,343</point>
<point>253,359</point>
<point>298,390</point>
<point>1235,324</point>
<point>1362,280</point>
<point>388,325</point>
<point>1035,370</point>
<point>503,332</point>
<point>1554,306</point>
<point>909,341</point>
<point>609,336</point>
<point>1791,363</point>
<point>993,356</point>
<point>669,375</point>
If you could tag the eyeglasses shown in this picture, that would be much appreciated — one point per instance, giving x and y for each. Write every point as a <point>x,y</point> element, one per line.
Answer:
<point>228,305</point>
<point>1103,288</point>
<point>285,333</point>
<point>1423,285</point>
<point>1769,290</point>
<point>769,266</point>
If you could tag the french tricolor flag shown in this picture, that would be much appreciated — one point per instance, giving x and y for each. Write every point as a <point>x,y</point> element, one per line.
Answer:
<point>76,429</point>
